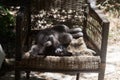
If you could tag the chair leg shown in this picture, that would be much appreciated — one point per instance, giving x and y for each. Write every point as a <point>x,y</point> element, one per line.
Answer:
<point>101,73</point>
<point>77,76</point>
<point>27,74</point>
<point>17,75</point>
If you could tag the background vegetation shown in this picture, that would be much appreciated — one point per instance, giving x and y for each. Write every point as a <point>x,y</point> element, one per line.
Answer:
<point>110,6</point>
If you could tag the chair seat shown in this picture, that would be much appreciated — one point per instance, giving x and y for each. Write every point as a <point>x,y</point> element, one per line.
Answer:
<point>61,63</point>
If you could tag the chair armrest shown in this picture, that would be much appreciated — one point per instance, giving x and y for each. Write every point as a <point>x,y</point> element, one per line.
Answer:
<point>101,18</point>
<point>19,21</point>
<point>98,15</point>
<point>99,29</point>
<point>21,32</point>
<point>95,12</point>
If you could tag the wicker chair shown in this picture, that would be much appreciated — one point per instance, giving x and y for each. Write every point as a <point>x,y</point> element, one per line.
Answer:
<point>33,16</point>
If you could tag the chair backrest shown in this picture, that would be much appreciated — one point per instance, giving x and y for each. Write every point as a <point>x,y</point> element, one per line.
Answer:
<point>45,13</point>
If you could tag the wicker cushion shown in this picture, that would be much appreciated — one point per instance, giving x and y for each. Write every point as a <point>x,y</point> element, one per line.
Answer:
<point>61,63</point>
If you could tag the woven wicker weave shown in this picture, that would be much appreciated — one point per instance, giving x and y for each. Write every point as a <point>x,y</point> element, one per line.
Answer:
<point>62,63</point>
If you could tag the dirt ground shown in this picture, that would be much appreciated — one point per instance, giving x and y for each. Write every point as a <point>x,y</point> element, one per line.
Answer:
<point>113,61</point>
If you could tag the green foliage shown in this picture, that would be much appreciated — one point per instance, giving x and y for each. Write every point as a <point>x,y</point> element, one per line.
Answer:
<point>7,22</point>
<point>7,30</point>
